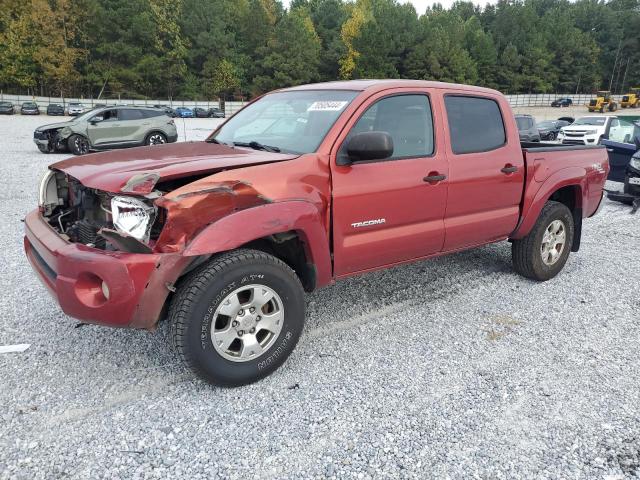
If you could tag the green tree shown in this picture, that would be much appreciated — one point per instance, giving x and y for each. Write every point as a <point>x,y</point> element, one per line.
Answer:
<point>292,55</point>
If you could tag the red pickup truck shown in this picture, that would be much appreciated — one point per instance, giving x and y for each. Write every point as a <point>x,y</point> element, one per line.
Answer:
<point>304,186</point>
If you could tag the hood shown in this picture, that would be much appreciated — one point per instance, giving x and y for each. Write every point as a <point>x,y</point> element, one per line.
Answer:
<point>581,128</point>
<point>55,125</point>
<point>111,171</point>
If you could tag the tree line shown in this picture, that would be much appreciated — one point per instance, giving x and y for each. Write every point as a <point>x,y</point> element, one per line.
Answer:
<point>204,49</point>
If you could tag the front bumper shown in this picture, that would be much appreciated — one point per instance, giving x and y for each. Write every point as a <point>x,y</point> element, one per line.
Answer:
<point>591,139</point>
<point>73,273</point>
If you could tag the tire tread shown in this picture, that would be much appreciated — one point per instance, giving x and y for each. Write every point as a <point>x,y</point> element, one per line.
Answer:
<point>195,283</point>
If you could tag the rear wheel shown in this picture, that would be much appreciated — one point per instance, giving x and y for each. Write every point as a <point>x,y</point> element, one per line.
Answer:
<point>155,138</point>
<point>544,251</point>
<point>78,145</point>
<point>236,319</point>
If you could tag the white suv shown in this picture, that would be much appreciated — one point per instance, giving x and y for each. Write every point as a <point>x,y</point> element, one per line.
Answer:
<point>586,130</point>
<point>75,109</point>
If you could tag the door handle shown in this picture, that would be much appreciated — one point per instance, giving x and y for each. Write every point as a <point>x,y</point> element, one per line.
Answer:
<point>434,178</point>
<point>509,169</point>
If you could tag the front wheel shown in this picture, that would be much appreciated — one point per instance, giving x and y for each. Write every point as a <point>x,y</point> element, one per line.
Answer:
<point>155,138</point>
<point>552,136</point>
<point>236,319</point>
<point>545,250</point>
<point>78,145</point>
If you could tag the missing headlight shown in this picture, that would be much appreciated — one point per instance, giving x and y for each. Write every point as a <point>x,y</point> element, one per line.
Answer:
<point>133,217</point>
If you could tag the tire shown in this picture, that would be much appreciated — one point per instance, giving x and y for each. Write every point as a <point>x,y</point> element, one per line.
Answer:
<point>528,253</point>
<point>155,138</point>
<point>199,310</point>
<point>552,136</point>
<point>78,145</point>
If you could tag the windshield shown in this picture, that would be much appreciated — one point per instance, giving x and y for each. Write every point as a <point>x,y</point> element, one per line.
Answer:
<point>290,122</point>
<point>590,121</point>
<point>5,104</point>
<point>547,124</point>
<point>88,114</point>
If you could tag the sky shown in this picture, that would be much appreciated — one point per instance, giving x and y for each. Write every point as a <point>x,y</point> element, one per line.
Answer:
<point>421,5</point>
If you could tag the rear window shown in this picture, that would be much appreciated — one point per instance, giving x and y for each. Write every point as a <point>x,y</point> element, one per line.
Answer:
<point>475,124</point>
<point>153,113</point>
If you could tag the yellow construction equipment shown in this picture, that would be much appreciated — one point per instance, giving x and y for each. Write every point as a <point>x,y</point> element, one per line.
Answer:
<point>631,99</point>
<point>602,102</point>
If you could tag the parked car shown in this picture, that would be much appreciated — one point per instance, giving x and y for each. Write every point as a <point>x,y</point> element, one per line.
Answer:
<point>589,130</point>
<point>549,129</point>
<point>7,108</point>
<point>215,113</point>
<point>167,110</point>
<point>621,146</point>
<point>200,112</point>
<point>75,108</point>
<point>184,112</point>
<point>55,109</point>
<point>29,108</point>
<point>562,102</point>
<point>305,186</point>
<point>527,128</point>
<point>630,174</point>
<point>107,128</point>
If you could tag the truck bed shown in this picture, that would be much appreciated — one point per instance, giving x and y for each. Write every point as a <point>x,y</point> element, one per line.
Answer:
<point>555,147</point>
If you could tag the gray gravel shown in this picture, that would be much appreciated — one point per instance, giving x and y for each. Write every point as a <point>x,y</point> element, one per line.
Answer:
<point>452,368</point>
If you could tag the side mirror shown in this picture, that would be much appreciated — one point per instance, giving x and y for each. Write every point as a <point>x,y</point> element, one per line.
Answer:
<point>366,146</point>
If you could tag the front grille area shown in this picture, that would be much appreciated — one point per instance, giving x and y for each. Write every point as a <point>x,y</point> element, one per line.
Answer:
<point>40,135</point>
<point>86,232</point>
<point>570,141</point>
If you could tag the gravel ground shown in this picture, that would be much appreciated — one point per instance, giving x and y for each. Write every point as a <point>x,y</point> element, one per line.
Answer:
<point>451,368</point>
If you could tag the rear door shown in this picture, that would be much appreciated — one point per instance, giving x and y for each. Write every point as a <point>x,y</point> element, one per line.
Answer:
<point>133,125</point>
<point>486,171</point>
<point>386,211</point>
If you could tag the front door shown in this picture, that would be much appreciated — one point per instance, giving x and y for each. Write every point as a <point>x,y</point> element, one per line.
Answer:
<point>103,127</point>
<point>390,210</point>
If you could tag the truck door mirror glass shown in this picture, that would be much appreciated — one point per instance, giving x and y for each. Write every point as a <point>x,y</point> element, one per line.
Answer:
<point>367,146</point>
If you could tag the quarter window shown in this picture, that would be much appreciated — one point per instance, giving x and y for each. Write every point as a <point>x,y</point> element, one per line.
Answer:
<point>475,124</point>
<point>407,118</point>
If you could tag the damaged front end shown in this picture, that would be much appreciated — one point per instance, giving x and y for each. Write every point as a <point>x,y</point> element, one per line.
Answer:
<point>99,219</point>
<point>145,217</point>
<point>51,140</point>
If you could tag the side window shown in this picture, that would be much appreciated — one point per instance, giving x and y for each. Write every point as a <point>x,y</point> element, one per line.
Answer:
<point>475,124</point>
<point>152,113</point>
<point>106,116</point>
<point>407,118</point>
<point>131,114</point>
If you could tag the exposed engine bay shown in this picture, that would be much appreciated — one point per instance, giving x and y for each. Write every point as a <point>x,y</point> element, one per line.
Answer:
<point>98,219</point>
<point>56,142</point>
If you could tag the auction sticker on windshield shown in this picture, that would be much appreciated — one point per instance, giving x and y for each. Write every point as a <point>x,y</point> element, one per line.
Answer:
<point>326,106</point>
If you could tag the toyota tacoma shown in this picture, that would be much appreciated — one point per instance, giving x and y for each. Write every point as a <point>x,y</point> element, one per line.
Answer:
<point>303,187</point>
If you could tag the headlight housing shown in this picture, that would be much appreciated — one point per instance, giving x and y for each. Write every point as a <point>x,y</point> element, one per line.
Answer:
<point>133,217</point>
<point>635,163</point>
<point>590,132</point>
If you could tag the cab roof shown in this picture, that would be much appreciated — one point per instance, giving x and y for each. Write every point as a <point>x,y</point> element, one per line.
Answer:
<point>373,85</point>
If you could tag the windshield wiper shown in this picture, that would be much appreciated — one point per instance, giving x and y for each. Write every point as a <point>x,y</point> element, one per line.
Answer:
<point>257,146</point>
<point>220,142</point>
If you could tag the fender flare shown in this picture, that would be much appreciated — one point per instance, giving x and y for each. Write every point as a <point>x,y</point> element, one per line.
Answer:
<point>567,177</point>
<point>244,226</point>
